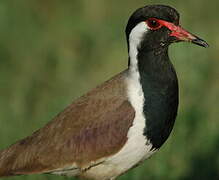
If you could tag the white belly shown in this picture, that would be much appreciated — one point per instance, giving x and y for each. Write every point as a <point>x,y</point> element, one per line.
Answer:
<point>135,150</point>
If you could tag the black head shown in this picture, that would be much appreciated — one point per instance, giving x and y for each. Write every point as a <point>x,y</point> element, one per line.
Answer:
<point>152,11</point>
<point>161,27</point>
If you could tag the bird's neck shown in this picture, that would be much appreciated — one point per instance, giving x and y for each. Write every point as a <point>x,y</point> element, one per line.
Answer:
<point>159,84</point>
<point>154,66</point>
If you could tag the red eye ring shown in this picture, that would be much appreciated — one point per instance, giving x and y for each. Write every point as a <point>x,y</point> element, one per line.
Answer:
<point>153,23</point>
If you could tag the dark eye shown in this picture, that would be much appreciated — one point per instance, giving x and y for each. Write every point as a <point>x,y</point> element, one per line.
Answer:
<point>153,23</point>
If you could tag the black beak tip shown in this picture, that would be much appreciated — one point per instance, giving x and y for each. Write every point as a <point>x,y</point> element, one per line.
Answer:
<point>200,42</point>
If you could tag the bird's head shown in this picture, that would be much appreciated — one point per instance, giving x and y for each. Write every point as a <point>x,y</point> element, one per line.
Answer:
<point>157,26</point>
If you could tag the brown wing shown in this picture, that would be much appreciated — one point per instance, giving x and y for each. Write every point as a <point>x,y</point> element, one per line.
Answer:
<point>93,127</point>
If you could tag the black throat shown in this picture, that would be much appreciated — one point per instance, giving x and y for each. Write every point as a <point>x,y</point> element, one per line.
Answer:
<point>160,87</point>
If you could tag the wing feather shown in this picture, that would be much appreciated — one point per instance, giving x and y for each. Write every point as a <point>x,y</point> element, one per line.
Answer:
<point>93,127</point>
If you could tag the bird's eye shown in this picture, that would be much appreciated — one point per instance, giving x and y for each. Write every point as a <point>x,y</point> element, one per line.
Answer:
<point>153,24</point>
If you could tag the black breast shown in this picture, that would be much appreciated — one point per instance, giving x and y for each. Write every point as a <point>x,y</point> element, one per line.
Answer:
<point>160,87</point>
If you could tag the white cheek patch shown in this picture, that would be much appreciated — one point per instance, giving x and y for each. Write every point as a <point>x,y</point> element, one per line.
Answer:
<point>135,38</point>
<point>137,33</point>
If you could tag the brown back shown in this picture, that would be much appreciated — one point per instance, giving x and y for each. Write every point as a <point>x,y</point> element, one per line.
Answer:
<point>94,126</point>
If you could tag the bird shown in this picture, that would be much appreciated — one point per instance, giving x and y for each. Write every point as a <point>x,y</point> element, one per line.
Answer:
<point>120,123</point>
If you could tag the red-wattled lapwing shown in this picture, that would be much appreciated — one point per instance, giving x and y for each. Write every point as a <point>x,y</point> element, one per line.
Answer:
<point>120,123</point>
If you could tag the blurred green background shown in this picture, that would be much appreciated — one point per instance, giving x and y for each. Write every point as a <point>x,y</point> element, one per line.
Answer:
<point>53,51</point>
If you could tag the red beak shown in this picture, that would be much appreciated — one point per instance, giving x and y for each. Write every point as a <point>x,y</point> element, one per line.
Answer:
<point>183,35</point>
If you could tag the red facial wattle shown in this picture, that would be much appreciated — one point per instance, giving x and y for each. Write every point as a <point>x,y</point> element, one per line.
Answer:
<point>176,31</point>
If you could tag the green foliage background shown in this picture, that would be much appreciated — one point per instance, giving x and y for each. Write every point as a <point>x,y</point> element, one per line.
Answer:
<point>53,51</point>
